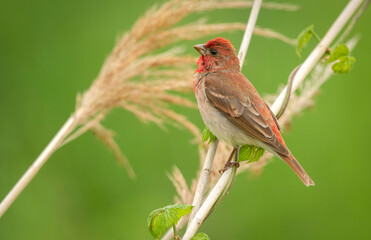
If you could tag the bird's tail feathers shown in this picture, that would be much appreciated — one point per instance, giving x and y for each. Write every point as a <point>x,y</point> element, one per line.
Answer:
<point>298,169</point>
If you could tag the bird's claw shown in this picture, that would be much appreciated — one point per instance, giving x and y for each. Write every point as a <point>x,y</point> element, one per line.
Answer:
<point>228,165</point>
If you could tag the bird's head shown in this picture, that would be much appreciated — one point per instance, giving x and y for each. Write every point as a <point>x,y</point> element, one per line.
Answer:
<point>217,54</point>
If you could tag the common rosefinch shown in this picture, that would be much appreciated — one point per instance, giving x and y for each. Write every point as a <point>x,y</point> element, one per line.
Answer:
<point>232,108</point>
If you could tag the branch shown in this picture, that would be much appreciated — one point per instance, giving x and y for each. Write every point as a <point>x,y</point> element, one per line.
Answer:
<point>204,176</point>
<point>318,52</point>
<point>304,70</point>
<point>54,144</point>
<point>208,204</point>
<point>353,22</point>
<point>248,32</point>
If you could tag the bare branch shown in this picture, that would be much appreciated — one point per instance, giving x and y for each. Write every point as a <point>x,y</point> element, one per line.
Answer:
<point>318,52</point>
<point>38,163</point>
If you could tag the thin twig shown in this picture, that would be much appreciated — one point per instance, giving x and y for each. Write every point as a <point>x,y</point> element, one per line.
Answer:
<point>269,33</point>
<point>353,21</point>
<point>307,66</point>
<point>288,94</point>
<point>248,32</point>
<point>201,214</point>
<point>318,52</point>
<point>54,144</point>
<point>204,176</point>
<point>227,187</point>
<point>208,204</point>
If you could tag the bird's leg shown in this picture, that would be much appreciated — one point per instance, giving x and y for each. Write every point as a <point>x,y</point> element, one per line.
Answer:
<point>237,155</point>
<point>229,162</point>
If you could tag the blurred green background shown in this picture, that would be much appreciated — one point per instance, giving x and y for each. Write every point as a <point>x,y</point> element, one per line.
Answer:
<point>51,50</point>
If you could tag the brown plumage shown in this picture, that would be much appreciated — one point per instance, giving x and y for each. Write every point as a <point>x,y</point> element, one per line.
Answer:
<point>232,108</point>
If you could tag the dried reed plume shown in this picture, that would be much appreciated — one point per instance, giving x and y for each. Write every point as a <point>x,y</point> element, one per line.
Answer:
<point>137,78</point>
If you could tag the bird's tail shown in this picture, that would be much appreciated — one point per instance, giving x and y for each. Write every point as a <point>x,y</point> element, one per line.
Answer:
<point>298,169</point>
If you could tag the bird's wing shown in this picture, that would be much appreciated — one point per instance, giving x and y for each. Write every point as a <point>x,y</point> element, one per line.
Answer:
<point>235,97</point>
<point>274,117</point>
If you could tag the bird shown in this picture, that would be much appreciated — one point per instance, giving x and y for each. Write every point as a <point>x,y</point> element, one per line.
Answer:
<point>231,107</point>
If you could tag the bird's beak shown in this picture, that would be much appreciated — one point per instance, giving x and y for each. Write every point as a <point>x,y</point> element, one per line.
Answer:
<point>200,48</point>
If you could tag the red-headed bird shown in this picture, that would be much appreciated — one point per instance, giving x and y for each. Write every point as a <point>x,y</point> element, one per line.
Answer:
<point>232,108</point>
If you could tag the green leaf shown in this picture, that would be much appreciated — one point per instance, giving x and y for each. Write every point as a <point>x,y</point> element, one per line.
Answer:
<point>246,152</point>
<point>250,153</point>
<point>340,51</point>
<point>207,134</point>
<point>200,236</point>
<point>344,65</point>
<point>303,39</point>
<point>161,219</point>
<point>344,61</point>
<point>258,154</point>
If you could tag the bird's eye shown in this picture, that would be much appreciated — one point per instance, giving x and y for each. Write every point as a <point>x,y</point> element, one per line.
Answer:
<point>213,52</point>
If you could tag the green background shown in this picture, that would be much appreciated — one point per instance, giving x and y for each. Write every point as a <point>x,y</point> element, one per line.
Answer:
<point>52,50</point>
